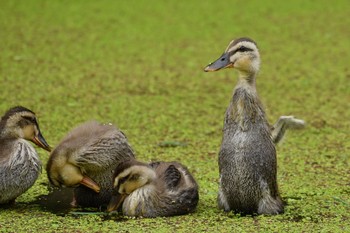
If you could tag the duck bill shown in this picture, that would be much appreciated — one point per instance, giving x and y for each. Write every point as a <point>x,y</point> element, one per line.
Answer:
<point>88,182</point>
<point>40,141</point>
<point>115,202</point>
<point>221,63</point>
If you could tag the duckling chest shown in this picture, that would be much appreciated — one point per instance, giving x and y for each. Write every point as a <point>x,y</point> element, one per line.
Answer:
<point>20,171</point>
<point>140,202</point>
<point>246,131</point>
<point>244,111</point>
<point>22,159</point>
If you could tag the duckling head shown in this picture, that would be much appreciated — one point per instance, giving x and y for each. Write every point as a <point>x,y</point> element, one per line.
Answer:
<point>129,176</point>
<point>63,171</point>
<point>20,122</point>
<point>241,54</point>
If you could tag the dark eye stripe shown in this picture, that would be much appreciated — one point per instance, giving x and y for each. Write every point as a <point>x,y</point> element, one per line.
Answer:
<point>31,119</point>
<point>244,49</point>
<point>241,49</point>
<point>122,180</point>
<point>134,177</point>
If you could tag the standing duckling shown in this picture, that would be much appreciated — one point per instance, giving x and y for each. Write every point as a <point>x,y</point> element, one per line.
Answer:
<point>19,162</point>
<point>88,156</point>
<point>247,158</point>
<point>158,189</point>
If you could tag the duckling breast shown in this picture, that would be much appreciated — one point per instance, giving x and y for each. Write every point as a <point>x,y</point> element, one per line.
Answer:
<point>246,159</point>
<point>142,202</point>
<point>19,172</point>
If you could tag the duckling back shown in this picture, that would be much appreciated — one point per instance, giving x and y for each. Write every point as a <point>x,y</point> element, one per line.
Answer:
<point>174,192</point>
<point>181,186</point>
<point>97,146</point>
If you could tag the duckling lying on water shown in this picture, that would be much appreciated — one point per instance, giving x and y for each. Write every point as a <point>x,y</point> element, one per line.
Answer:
<point>19,162</point>
<point>88,156</point>
<point>153,190</point>
<point>247,158</point>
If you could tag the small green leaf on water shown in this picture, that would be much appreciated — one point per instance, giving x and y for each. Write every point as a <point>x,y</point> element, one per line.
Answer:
<point>172,144</point>
<point>341,201</point>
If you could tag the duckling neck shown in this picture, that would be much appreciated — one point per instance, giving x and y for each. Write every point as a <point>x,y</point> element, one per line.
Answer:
<point>6,134</point>
<point>247,80</point>
<point>7,131</point>
<point>245,89</point>
<point>2,129</point>
<point>245,107</point>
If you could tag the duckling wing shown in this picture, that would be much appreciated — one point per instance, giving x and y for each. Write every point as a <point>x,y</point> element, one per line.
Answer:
<point>154,165</point>
<point>172,177</point>
<point>6,151</point>
<point>94,146</point>
<point>282,124</point>
<point>105,153</point>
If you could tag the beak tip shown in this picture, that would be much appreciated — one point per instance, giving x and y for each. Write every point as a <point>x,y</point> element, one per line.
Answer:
<point>207,68</point>
<point>115,202</point>
<point>40,142</point>
<point>88,182</point>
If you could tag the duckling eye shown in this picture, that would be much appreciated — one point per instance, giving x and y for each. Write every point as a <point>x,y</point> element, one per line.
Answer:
<point>122,180</point>
<point>134,177</point>
<point>26,120</point>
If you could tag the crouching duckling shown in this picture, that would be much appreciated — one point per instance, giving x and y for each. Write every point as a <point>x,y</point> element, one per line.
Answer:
<point>86,159</point>
<point>153,190</point>
<point>19,162</point>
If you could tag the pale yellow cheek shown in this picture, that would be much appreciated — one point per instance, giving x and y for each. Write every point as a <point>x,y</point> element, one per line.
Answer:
<point>131,187</point>
<point>71,175</point>
<point>28,132</point>
<point>243,64</point>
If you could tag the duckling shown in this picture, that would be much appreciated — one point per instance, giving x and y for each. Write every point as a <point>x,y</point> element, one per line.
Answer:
<point>153,190</point>
<point>88,156</point>
<point>247,157</point>
<point>19,162</point>
<point>282,124</point>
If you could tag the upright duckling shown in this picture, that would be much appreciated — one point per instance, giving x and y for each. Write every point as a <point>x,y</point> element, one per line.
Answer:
<point>247,158</point>
<point>154,190</point>
<point>19,162</point>
<point>88,156</point>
